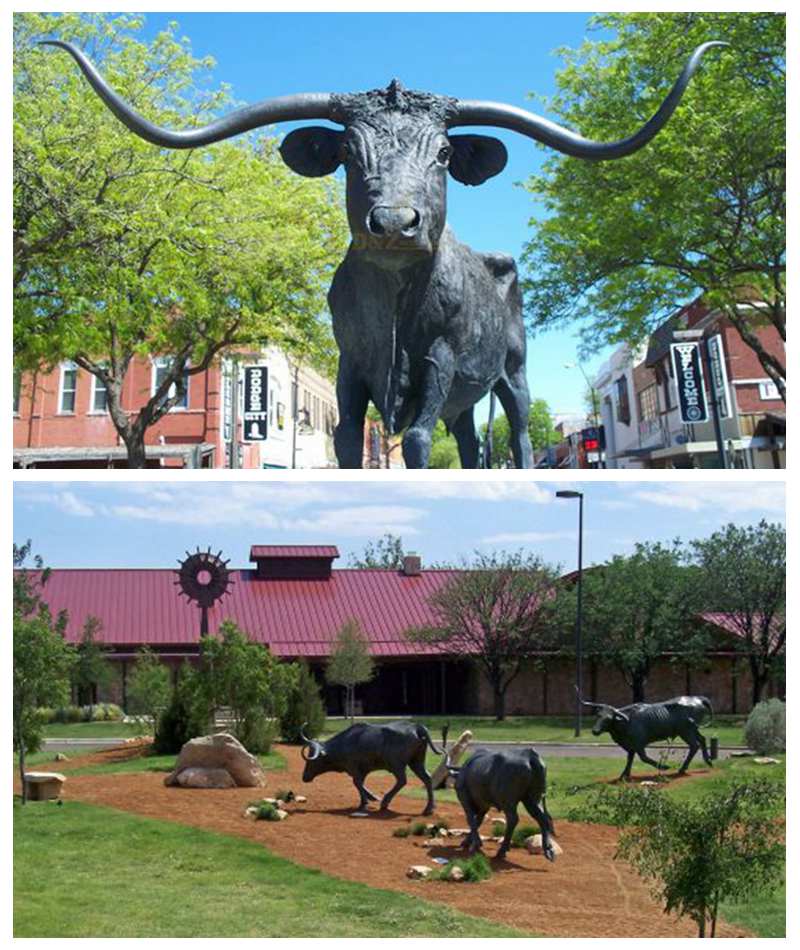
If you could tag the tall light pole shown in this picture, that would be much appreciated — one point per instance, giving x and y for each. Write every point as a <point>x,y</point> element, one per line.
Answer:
<point>579,612</point>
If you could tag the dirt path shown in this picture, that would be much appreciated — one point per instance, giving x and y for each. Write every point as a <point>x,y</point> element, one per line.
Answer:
<point>584,894</point>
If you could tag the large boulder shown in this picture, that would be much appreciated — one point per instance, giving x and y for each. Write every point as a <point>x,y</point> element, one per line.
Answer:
<point>220,751</point>
<point>204,778</point>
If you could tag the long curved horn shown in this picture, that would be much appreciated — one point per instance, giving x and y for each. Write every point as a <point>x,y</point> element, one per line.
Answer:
<point>591,705</point>
<point>478,112</point>
<point>304,105</point>
<point>303,735</point>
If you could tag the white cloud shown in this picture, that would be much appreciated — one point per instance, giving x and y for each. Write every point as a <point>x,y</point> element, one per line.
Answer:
<point>71,505</point>
<point>729,498</point>
<point>527,537</point>
<point>364,521</point>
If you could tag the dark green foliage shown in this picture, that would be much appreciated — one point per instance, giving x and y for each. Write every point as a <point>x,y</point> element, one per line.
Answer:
<point>304,705</point>
<point>266,812</point>
<point>723,846</point>
<point>765,731</point>
<point>521,835</point>
<point>400,833</point>
<point>498,828</point>
<point>476,868</point>
<point>178,723</point>
<point>418,828</point>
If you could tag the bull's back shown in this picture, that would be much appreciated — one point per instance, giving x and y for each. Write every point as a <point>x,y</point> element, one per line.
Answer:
<point>498,778</point>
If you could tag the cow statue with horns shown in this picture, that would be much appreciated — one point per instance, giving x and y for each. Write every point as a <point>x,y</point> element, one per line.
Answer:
<point>425,326</point>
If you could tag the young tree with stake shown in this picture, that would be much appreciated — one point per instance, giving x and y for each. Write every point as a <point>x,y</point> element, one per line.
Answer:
<point>350,662</point>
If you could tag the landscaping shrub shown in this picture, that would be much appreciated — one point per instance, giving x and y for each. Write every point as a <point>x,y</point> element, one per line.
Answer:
<point>498,829</point>
<point>46,714</point>
<point>418,829</point>
<point>68,714</point>
<point>401,833</point>
<point>304,705</point>
<point>176,725</point>
<point>521,835</point>
<point>765,730</point>
<point>256,733</point>
<point>476,868</point>
<point>266,812</point>
<point>111,712</point>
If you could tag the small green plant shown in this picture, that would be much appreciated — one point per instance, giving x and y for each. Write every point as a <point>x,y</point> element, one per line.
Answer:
<point>266,812</point>
<point>284,795</point>
<point>475,869</point>
<point>765,730</point>
<point>419,829</point>
<point>521,835</point>
<point>437,827</point>
<point>401,833</point>
<point>498,829</point>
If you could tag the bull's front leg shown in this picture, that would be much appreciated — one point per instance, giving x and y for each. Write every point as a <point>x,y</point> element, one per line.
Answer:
<point>436,382</point>
<point>353,398</point>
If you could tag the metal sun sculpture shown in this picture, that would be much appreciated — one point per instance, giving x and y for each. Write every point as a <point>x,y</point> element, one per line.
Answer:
<point>204,578</point>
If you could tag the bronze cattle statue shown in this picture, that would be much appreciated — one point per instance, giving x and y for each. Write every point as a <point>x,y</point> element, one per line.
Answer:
<point>425,326</point>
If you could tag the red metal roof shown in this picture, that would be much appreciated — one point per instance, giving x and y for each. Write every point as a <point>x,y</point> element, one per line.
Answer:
<point>293,550</point>
<point>294,617</point>
<point>733,625</point>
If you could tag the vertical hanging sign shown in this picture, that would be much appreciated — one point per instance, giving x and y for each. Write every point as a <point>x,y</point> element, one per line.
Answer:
<point>688,367</point>
<point>719,376</point>
<point>255,420</point>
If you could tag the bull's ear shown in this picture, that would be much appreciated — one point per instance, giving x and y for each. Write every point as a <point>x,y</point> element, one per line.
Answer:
<point>476,158</point>
<point>313,151</point>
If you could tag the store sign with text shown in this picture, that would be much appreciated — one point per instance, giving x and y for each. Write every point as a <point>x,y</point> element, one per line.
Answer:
<point>255,419</point>
<point>687,365</point>
<point>719,376</point>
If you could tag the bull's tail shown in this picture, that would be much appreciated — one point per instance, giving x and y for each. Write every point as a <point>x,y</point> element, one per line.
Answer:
<point>423,733</point>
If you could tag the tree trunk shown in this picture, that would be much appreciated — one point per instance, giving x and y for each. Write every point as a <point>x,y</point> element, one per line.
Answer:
<point>760,679</point>
<point>21,747</point>
<point>136,454</point>
<point>499,703</point>
<point>638,681</point>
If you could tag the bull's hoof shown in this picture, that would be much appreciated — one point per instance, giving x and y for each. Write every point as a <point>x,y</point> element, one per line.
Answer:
<point>428,811</point>
<point>501,854</point>
<point>550,855</point>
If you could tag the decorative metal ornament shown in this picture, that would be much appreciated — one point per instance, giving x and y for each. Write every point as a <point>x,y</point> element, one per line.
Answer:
<point>204,578</point>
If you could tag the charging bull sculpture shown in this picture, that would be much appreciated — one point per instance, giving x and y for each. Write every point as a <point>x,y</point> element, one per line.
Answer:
<point>364,748</point>
<point>425,326</point>
<point>637,726</point>
<point>503,780</point>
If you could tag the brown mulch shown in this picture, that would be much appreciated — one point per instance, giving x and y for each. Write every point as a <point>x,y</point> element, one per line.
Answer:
<point>585,893</point>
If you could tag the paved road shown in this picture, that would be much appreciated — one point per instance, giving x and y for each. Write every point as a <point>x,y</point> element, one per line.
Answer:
<point>547,749</point>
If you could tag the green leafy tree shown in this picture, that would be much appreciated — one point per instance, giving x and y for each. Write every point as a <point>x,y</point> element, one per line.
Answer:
<point>243,676</point>
<point>386,553</point>
<point>122,249</point>
<point>498,611</point>
<point>42,659</point>
<point>350,662</point>
<point>304,707</point>
<point>444,450</point>
<point>149,688</point>
<point>725,845</point>
<point>743,569</point>
<point>700,211</point>
<point>178,723</point>
<point>638,608</point>
<point>92,667</point>
<point>540,429</point>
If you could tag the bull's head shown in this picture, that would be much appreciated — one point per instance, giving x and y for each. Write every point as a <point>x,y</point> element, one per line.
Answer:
<point>608,717</point>
<point>313,752</point>
<point>396,147</point>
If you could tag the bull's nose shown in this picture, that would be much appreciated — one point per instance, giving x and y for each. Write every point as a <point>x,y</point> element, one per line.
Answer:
<point>387,221</point>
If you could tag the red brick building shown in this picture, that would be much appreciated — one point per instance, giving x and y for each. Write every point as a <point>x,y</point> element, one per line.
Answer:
<point>294,602</point>
<point>61,421</point>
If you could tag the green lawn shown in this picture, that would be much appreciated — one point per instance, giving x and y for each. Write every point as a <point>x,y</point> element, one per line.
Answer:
<point>47,755</point>
<point>92,730</point>
<point>535,729</point>
<point>84,871</point>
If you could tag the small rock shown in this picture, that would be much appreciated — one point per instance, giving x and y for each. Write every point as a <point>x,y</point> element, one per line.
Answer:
<point>251,811</point>
<point>434,843</point>
<point>300,799</point>
<point>418,871</point>
<point>499,821</point>
<point>496,838</point>
<point>281,814</point>
<point>359,814</point>
<point>765,760</point>
<point>534,845</point>
<point>270,801</point>
<point>741,754</point>
<point>459,831</point>
<point>648,784</point>
<point>456,874</point>
<point>60,757</point>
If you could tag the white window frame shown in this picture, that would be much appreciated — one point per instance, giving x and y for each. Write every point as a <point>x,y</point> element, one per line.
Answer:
<point>767,391</point>
<point>161,362</point>
<point>93,411</point>
<point>66,367</point>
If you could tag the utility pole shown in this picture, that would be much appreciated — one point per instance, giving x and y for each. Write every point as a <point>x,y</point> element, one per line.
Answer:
<point>579,611</point>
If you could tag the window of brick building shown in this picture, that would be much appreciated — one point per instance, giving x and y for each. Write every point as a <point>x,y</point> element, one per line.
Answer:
<point>161,365</point>
<point>623,402</point>
<point>648,403</point>
<point>68,387</point>
<point>99,395</point>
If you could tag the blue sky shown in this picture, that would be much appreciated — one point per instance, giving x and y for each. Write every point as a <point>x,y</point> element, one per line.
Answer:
<point>151,523</point>
<point>501,57</point>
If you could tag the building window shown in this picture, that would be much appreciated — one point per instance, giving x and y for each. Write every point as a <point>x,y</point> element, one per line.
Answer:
<point>648,403</point>
<point>161,366</point>
<point>623,403</point>
<point>768,390</point>
<point>68,388</point>
<point>99,395</point>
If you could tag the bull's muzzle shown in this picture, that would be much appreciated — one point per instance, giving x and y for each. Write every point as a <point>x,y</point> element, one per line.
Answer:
<point>390,222</point>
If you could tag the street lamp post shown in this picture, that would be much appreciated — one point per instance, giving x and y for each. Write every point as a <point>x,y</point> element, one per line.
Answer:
<point>579,611</point>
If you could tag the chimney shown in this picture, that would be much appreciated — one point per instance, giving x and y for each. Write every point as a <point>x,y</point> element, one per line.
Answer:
<point>412,564</point>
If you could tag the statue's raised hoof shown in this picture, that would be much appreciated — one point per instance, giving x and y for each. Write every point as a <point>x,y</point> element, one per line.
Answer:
<point>550,855</point>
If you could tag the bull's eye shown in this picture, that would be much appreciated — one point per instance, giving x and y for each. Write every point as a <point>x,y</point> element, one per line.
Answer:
<point>444,154</point>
